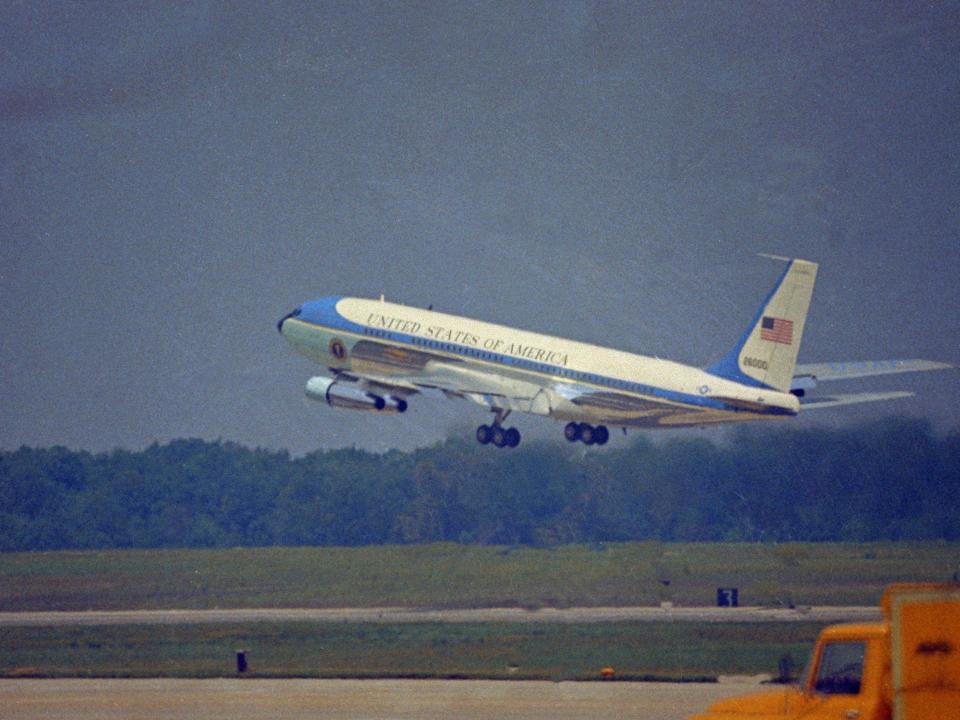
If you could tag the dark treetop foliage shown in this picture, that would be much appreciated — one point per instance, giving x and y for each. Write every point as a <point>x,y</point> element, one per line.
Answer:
<point>886,481</point>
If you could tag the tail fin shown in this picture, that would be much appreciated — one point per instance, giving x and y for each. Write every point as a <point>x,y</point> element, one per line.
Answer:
<point>767,353</point>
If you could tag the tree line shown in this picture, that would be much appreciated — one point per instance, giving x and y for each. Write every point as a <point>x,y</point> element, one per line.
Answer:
<point>890,480</point>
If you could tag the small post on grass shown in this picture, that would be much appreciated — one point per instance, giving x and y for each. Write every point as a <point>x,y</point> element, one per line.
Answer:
<point>241,661</point>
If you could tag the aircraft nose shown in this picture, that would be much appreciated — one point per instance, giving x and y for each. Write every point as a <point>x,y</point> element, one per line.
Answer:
<point>286,317</point>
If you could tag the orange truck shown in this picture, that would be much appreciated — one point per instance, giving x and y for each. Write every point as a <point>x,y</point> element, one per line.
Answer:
<point>906,667</point>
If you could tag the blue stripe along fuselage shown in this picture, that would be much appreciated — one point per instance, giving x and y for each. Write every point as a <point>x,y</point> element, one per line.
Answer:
<point>322,313</point>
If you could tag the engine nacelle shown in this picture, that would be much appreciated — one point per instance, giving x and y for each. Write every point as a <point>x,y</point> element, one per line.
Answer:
<point>395,403</point>
<point>351,396</point>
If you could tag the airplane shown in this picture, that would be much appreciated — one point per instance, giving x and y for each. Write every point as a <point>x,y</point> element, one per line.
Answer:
<point>380,354</point>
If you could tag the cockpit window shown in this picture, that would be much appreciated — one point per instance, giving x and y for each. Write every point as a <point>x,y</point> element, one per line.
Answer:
<point>841,668</point>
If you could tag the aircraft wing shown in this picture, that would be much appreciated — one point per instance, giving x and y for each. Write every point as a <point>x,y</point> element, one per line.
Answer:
<point>851,399</point>
<point>460,379</point>
<point>453,380</point>
<point>402,372</point>
<point>505,392</point>
<point>864,368</point>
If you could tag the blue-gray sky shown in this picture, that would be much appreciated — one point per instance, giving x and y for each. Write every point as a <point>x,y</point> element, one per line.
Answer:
<point>175,177</point>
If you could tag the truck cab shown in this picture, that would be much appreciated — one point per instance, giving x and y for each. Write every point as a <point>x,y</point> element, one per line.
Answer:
<point>905,668</point>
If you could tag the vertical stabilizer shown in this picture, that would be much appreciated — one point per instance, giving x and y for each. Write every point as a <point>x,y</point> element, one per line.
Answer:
<point>767,353</point>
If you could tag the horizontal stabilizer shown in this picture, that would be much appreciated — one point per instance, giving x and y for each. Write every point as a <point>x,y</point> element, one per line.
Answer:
<point>865,368</point>
<point>852,399</point>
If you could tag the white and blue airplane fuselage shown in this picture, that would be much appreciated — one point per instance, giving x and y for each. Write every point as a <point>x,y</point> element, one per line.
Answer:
<point>379,354</point>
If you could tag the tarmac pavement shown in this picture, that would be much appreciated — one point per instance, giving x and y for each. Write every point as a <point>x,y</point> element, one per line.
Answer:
<point>233,699</point>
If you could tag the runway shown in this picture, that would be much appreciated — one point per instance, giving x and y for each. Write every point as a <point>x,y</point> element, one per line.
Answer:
<point>414,615</point>
<point>356,699</point>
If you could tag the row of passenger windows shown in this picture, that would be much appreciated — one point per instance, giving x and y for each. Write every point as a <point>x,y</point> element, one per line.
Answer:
<point>519,362</point>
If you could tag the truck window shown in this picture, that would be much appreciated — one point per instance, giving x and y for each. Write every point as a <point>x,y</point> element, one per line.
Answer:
<point>841,668</point>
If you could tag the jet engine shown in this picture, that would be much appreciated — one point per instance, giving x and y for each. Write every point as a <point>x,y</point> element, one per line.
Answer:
<point>352,396</point>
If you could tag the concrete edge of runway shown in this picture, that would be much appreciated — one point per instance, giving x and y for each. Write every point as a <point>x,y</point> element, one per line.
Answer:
<point>387,615</point>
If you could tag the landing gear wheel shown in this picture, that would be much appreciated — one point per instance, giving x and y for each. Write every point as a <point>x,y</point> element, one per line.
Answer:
<point>512,437</point>
<point>572,432</point>
<point>588,434</point>
<point>601,435</point>
<point>484,434</point>
<point>499,436</point>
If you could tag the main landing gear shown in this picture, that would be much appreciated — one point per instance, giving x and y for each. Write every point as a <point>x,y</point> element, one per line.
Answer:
<point>499,436</point>
<point>588,434</point>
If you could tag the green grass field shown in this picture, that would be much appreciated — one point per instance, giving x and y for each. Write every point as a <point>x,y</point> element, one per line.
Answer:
<point>442,576</point>
<point>448,575</point>
<point>679,651</point>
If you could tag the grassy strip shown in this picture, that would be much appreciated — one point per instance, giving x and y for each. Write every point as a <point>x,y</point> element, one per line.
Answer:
<point>448,575</point>
<point>678,651</point>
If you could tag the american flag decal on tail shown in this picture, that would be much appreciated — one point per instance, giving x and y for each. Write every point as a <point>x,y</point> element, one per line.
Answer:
<point>776,330</point>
